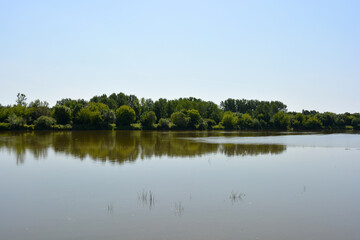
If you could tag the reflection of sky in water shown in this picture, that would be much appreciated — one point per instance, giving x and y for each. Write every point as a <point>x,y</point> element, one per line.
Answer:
<point>316,140</point>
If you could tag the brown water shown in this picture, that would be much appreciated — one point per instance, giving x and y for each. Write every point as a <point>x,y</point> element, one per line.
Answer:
<point>179,185</point>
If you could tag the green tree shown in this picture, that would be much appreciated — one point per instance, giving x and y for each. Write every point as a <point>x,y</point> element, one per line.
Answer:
<point>313,123</point>
<point>164,124</point>
<point>194,117</point>
<point>179,119</point>
<point>229,120</point>
<point>125,115</point>
<point>148,119</point>
<point>21,99</point>
<point>210,123</point>
<point>160,108</point>
<point>245,122</point>
<point>109,117</point>
<point>281,121</point>
<point>297,121</point>
<point>327,119</point>
<point>15,121</point>
<point>89,119</point>
<point>62,114</point>
<point>355,122</point>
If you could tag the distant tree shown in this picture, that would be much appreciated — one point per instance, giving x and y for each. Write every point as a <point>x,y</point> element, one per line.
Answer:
<point>313,123</point>
<point>229,120</point>
<point>148,119</point>
<point>15,121</point>
<point>281,121</point>
<point>164,124</point>
<point>62,114</point>
<point>125,115</point>
<point>160,108</point>
<point>21,99</point>
<point>256,124</point>
<point>228,105</point>
<point>297,121</point>
<point>179,119</point>
<point>37,103</point>
<point>194,117</point>
<point>109,117</point>
<point>327,119</point>
<point>5,111</point>
<point>146,105</point>
<point>210,123</point>
<point>355,123</point>
<point>245,122</point>
<point>89,118</point>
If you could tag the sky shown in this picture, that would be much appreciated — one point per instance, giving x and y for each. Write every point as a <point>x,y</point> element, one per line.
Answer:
<point>305,53</point>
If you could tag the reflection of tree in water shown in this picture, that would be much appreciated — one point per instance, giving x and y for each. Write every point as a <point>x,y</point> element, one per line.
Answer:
<point>251,149</point>
<point>21,142</point>
<point>124,146</point>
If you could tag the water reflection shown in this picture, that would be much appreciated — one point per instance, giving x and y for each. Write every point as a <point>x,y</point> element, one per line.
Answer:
<point>125,146</point>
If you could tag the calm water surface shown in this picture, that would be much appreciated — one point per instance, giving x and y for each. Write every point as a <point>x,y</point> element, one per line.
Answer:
<point>179,185</point>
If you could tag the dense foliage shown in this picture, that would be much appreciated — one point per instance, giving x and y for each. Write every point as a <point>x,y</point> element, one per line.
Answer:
<point>121,111</point>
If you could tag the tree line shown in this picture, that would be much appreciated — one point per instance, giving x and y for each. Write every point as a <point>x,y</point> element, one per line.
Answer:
<point>121,111</point>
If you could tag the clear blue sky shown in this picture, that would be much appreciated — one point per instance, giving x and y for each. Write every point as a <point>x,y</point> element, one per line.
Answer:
<point>303,53</point>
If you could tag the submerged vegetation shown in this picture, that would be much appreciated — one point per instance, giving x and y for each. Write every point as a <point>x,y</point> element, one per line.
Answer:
<point>121,111</point>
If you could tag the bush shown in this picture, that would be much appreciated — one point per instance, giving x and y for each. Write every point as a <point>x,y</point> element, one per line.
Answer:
<point>148,119</point>
<point>44,122</point>
<point>125,115</point>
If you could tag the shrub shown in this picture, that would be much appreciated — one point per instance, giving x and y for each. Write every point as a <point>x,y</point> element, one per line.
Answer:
<point>44,122</point>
